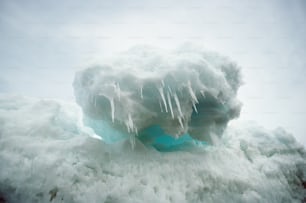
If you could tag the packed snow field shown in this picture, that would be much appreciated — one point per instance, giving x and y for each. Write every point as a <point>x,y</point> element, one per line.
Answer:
<point>113,144</point>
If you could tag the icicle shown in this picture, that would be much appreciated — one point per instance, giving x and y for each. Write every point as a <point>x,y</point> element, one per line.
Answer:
<point>170,105</point>
<point>128,127</point>
<point>177,102</point>
<point>202,93</point>
<point>136,131</point>
<point>170,90</point>
<point>112,109</point>
<point>180,121</point>
<point>141,95</point>
<point>194,106</point>
<point>161,92</point>
<point>129,124</point>
<point>192,94</point>
<point>118,91</point>
<point>161,107</point>
<point>131,129</point>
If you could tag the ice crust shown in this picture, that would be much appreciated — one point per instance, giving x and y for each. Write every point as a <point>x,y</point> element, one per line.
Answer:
<point>48,155</point>
<point>187,90</point>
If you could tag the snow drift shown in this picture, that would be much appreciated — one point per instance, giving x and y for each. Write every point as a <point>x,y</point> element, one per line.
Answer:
<point>183,91</point>
<point>47,155</point>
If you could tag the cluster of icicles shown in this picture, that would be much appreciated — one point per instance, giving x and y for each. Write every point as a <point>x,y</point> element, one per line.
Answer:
<point>165,103</point>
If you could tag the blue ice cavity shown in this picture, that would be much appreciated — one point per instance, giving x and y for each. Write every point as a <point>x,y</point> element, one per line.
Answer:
<point>156,137</point>
<point>153,136</point>
<point>105,130</point>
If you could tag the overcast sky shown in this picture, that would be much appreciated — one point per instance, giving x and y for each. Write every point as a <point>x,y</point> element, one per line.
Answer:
<point>42,44</point>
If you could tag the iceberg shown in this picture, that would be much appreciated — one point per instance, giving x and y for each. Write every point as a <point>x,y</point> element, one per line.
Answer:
<point>186,91</point>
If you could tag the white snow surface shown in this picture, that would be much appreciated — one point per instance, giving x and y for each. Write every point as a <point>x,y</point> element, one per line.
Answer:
<point>47,155</point>
<point>186,90</point>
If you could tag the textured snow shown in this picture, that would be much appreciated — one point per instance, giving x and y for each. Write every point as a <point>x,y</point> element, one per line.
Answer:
<point>47,155</point>
<point>187,90</point>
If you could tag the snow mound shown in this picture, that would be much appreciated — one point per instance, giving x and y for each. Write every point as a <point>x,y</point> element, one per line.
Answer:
<point>187,90</point>
<point>47,155</point>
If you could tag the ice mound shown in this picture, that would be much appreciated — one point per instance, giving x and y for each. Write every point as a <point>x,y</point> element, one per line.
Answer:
<point>184,91</point>
<point>47,155</point>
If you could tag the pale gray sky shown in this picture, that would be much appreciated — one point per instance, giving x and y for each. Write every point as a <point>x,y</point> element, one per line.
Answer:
<point>42,44</point>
